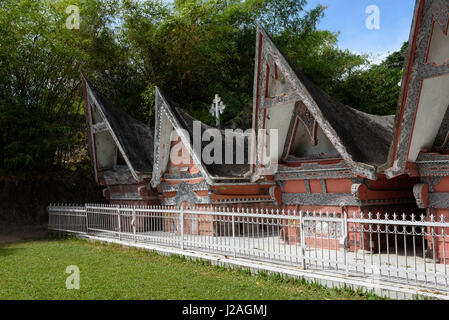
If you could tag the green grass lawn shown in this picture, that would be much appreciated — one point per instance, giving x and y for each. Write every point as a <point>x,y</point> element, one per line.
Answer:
<point>36,270</point>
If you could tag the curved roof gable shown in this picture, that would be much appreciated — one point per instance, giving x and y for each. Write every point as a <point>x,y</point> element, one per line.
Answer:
<point>362,139</point>
<point>133,138</point>
<point>422,117</point>
<point>169,114</point>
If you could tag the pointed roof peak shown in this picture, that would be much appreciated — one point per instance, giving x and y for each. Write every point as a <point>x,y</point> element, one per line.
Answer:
<point>362,139</point>
<point>135,138</point>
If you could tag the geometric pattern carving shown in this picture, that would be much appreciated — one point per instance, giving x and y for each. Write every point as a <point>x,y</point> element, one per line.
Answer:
<point>338,199</point>
<point>421,191</point>
<point>163,108</point>
<point>314,171</point>
<point>331,229</point>
<point>308,120</point>
<point>185,193</point>
<point>419,69</point>
<point>265,52</point>
<point>440,11</point>
<point>300,113</point>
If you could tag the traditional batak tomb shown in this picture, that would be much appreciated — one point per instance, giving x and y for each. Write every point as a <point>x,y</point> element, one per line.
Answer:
<point>329,157</point>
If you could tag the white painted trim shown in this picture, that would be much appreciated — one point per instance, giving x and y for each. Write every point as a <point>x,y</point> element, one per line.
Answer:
<point>176,125</point>
<point>362,169</point>
<point>114,137</point>
<point>167,109</point>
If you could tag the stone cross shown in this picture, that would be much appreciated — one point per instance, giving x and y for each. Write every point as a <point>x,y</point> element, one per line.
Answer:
<point>216,109</point>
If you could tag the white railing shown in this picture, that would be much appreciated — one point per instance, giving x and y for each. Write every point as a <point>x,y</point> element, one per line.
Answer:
<point>406,248</point>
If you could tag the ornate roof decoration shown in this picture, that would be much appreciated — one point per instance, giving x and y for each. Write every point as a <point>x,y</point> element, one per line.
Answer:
<point>169,117</point>
<point>421,119</point>
<point>217,107</point>
<point>361,139</point>
<point>133,139</point>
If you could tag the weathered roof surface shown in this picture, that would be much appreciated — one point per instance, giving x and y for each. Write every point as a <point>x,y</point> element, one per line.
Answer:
<point>216,170</point>
<point>135,138</point>
<point>366,137</point>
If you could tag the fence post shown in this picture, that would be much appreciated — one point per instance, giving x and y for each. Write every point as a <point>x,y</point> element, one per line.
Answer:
<point>181,226</point>
<point>133,221</point>
<point>87,219</point>
<point>233,232</point>
<point>345,240</point>
<point>119,223</point>
<point>303,239</point>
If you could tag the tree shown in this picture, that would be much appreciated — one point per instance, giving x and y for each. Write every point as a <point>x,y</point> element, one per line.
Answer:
<point>194,49</point>
<point>374,89</point>
<point>41,63</point>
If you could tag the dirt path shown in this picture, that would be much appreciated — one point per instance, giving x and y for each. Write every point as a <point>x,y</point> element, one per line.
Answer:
<point>14,234</point>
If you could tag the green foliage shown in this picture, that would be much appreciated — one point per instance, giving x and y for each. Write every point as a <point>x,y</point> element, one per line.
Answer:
<point>374,89</point>
<point>317,56</point>
<point>396,60</point>
<point>149,99</point>
<point>40,89</point>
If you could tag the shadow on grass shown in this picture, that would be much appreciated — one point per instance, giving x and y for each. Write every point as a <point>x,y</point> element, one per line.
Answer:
<point>49,236</point>
<point>4,252</point>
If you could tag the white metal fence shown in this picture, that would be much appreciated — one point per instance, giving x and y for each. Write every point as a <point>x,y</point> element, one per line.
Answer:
<point>406,248</point>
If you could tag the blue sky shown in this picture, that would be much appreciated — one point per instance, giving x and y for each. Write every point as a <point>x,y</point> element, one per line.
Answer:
<point>348,17</point>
